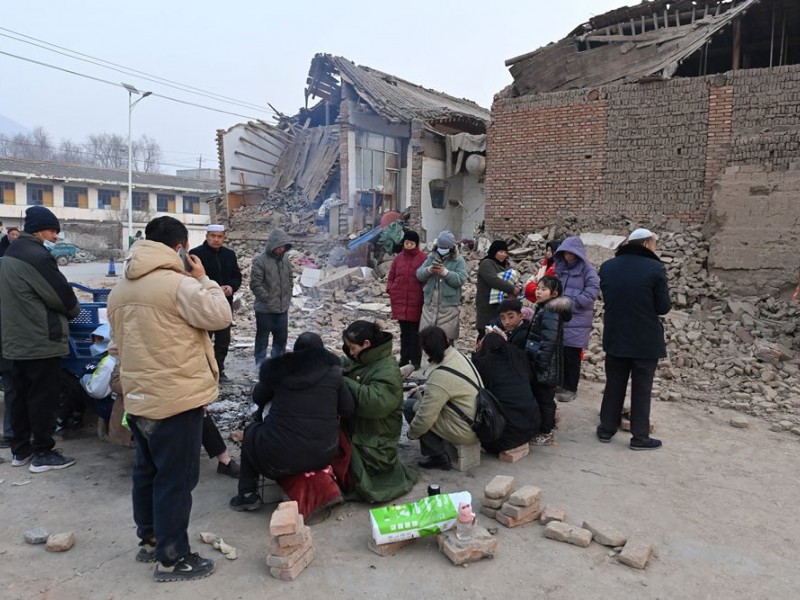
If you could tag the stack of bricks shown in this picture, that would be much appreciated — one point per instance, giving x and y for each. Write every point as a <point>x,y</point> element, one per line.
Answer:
<point>496,493</point>
<point>292,548</point>
<point>509,507</point>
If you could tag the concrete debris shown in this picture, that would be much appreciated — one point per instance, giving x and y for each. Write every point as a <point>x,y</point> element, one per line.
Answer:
<point>740,422</point>
<point>37,535</point>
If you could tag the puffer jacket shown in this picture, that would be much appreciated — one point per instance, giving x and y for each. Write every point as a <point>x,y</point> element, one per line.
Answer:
<point>159,321</point>
<point>271,278</point>
<point>375,381</point>
<point>545,339</point>
<point>35,302</point>
<point>489,279</point>
<point>405,290</point>
<point>582,286</point>
<point>300,433</point>
<point>450,285</point>
<point>431,410</point>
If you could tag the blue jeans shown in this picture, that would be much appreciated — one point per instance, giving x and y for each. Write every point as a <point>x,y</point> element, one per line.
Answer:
<point>165,472</point>
<point>278,325</point>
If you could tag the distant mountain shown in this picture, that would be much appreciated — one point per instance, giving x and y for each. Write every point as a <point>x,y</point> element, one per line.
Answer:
<point>10,127</point>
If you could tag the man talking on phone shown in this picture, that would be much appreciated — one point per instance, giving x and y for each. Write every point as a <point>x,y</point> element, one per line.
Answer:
<point>160,313</point>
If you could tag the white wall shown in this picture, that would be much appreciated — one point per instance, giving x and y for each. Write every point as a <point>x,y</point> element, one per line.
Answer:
<point>435,220</point>
<point>473,203</point>
<point>232,142</point>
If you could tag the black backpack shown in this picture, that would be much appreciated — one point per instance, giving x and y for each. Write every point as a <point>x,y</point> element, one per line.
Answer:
<point>489,422</point>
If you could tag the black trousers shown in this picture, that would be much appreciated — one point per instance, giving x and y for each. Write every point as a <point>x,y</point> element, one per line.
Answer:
<point>165,471</point>
<point>641,373</point>
<point>249,471</point>
<point>33,412</point>
<point>572,368</point>
<point>222,342</point>
<point>410,350</point>
<point>212,440</point>
<point>545,398</point>
<point>430,444</point>
<point>9,393</point>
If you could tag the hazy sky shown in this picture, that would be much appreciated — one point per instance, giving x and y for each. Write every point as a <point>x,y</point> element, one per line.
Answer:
<point>256,52</point>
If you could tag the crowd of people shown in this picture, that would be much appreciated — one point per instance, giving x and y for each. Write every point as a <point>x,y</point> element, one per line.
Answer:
<point>326,427</point>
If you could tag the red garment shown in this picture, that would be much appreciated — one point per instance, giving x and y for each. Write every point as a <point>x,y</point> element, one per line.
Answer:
<point>530,287</point>
<point>316,490</point>
<point>405,290</point>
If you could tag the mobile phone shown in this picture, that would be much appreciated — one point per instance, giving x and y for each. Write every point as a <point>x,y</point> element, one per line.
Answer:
<point>186,264</point>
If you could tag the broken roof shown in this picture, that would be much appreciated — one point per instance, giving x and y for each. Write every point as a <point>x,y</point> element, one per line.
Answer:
<point>395,99</point>
<point>624,45</point>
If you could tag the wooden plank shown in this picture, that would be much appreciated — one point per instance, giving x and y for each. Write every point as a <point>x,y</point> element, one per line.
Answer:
<point>246,141</point>
<point>251,157</point>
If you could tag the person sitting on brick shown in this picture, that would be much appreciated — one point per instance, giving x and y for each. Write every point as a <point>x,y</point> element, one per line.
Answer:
<point>447,384</point>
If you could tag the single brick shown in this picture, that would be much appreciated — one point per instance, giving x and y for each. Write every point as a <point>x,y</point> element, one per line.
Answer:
<point>519,512</point>
<point>604,534</point>
<point>291,573</point>
<point>482,545</point>
<point>289,505</point>
<point>463,458</point>
<point>563,532</point>
<point>489,512</point>
<point>512,522</point>
<point>515,454</point>
<point>286,561</point>
<point>297,539</point>
<point>285,522</point>
<point>388,549</point>
<point>499,487</point>
<point>526,496</point>
<point>495,503</point>
<point>552,512</point>
<point>636,553</point>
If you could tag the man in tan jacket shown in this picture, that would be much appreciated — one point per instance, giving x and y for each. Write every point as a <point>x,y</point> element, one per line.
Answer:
<point>160,314</point>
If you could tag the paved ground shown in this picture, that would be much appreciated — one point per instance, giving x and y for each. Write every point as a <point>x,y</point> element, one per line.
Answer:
<point>719,504</point>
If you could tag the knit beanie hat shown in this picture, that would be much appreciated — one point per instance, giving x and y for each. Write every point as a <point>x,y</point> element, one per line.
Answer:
<point>445,240</point>
<point>411,236</point>
<point>39,218</point>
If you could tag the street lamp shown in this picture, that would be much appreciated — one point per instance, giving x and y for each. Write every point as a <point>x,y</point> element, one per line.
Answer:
<point>131,104</point>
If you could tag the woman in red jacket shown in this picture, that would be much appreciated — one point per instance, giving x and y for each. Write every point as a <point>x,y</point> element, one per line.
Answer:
<point>405,293</point>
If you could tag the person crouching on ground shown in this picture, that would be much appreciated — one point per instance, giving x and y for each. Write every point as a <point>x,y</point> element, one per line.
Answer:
<point>430,417</point>
<point>307,396</point>
<point>544,349</point>
<point>374,378</point>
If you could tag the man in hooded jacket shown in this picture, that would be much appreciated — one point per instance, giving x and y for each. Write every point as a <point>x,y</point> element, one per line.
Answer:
<point>271,283</point>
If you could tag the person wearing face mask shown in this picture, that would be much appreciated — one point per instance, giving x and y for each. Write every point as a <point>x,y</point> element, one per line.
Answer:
<point>35,303</point>
<point>405,293</point>
<point>374,379</point>
<point>443,274</point>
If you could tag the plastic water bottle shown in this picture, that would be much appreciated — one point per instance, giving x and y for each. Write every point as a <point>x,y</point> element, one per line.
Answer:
<point>466,522</point>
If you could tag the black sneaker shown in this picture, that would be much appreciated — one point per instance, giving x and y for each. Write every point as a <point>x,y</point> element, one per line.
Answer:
<point>147,552</point>
<point>20,460</point>
<point>604,436</point>
<point>648,444</point>
<point>440,461</point>
<point>192,566</point>
<point>50,461</point>
<point>242,502</point>
<point>231,469</point>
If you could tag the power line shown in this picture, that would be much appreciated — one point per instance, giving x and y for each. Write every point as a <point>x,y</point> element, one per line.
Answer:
<point>74,54</point>
<point>107,82</point>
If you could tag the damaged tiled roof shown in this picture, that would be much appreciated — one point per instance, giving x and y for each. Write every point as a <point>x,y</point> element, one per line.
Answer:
<point>393,98</point>
<point>624,45</point>
<point>69,173</point>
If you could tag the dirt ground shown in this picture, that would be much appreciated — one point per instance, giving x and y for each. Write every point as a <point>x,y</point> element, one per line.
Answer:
<point>717,503</point>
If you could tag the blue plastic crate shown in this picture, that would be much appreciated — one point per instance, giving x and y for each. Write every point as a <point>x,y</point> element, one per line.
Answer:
<point>98,295</point>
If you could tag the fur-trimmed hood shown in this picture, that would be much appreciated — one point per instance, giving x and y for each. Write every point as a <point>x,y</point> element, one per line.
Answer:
<point>298,370</point>
<point>561,305</point>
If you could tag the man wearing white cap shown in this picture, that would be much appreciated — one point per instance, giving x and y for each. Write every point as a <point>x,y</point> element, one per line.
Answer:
<point>635,292</point>
<point>221,266</point>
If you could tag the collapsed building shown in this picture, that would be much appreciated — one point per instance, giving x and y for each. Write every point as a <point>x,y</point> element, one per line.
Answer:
<point>687,110</point>
<point>378,142</point>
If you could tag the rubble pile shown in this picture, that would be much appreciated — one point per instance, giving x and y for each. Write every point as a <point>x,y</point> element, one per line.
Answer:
<point>289,210</point>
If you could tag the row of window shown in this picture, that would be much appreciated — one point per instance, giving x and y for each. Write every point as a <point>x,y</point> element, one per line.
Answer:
<point>78,197</point>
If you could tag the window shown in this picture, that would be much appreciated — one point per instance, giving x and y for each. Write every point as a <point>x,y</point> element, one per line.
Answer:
<point>377,162</point>
<point>141,201</point>
<point>165,202</point>
<point>108,199</point>
<point>40,194</point>
<point>75,197</point>
<point>7,192</point>
<point>191,205</point>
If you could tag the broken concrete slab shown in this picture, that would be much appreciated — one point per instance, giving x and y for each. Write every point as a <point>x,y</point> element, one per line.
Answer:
<point>482,545</point>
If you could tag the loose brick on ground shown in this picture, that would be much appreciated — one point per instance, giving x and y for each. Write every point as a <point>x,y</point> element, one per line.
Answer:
<point>495,503</point>
<point>563,532</point>
<point>515,454</point>
<point>489,512</point>
<point>605,534</point>
<point>636,553</point>
<point>512,522</point>
<point>388,549</point>
<point>552,512</point>
<point>482,545</point>
<point>519,512</point>
<point>289,505</point>
<point>526,496</point>
<point>285,522</point>
<point>296,539</point>
<point>499,487</point>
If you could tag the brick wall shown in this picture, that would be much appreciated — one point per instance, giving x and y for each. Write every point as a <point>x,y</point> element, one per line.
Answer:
<point>640,149</point>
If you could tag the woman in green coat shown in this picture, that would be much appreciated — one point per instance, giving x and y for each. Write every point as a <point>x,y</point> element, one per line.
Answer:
<point>373,377</point>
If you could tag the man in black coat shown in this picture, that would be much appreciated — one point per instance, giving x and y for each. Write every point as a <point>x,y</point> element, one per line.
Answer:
<point>221,266</point>
<point>635,292</point>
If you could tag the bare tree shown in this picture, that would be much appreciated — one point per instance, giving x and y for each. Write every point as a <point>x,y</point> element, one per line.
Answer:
<point>71,152</point>
<point>147,154</point>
